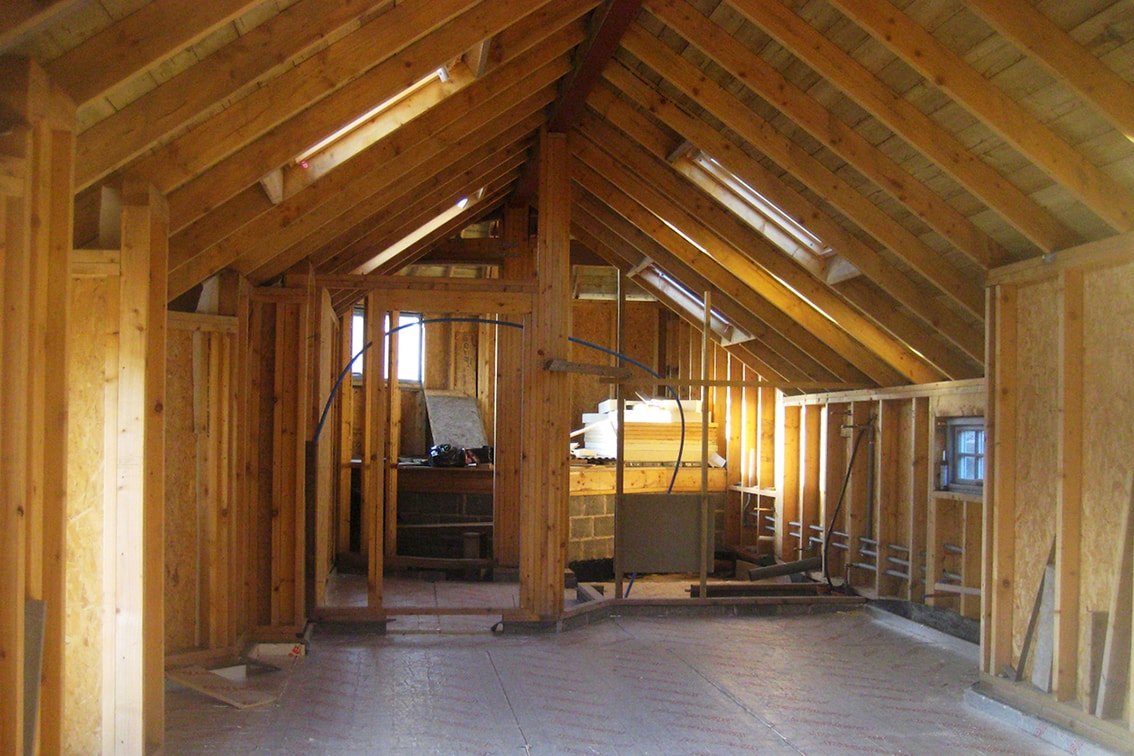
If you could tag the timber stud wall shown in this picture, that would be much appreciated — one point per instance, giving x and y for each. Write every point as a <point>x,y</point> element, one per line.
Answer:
<point>895,535</point>
<point>1061,357</point>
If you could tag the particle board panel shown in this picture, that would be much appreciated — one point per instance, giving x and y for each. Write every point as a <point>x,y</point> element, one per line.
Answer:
<point>593,321</point>
<point>1037,434</point>
<point>1108,404</point>
<point>182,543</point>
<point>92,396</point>
<point>639,333</point>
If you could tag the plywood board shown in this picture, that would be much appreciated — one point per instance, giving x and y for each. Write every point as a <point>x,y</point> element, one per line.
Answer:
<point>92,392</point>
<point>454,418</point>
<point>233,692</point>
<point>593,322</point>
<point>182,564</point>
<point>1108,413</point>
<point>659,532</point>
<point>1037,437</point>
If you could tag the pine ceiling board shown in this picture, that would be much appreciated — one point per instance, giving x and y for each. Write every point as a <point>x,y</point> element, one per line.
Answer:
<point>1121,60</point>
<point>1086,16</point>
<point>57,38</point>
<point>937,16</point>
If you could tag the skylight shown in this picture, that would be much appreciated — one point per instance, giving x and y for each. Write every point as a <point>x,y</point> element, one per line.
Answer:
<point>764,215</point>
<point>692,304</point>
<point>420,233</point>
<point>441,74</point>
<point>764,206</point>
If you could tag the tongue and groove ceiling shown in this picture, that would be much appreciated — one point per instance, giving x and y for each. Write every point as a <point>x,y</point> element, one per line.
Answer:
<point>916,144</point>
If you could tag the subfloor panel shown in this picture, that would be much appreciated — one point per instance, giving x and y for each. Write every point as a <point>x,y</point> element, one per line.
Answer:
<point>856,682</point>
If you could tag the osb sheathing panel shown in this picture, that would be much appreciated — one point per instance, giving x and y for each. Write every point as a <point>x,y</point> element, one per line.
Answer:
<point>594,322</point>
<point>1037,424</point>
<point>93,378</point>
<point>1108,413</point>
<point>640,333</point>
<point>182,553</point>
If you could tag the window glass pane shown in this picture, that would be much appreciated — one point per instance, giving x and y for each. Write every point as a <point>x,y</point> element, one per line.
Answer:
<point>980,442</point>
<point>410,343</point>
<point>966,442</point>
<point>967,468</point>
<point>357,340</point>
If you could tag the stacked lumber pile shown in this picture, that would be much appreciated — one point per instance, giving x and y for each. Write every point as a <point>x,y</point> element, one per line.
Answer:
<point>653,431</point>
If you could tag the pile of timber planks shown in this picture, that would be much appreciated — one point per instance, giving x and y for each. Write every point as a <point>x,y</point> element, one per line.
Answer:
<point>653,431</point>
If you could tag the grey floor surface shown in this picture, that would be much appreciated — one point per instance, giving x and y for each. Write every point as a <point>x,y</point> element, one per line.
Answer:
<point>848,683</point>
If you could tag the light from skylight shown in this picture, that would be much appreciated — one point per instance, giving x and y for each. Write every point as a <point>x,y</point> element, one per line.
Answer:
<point>762,205</point>
<point>441,74</point>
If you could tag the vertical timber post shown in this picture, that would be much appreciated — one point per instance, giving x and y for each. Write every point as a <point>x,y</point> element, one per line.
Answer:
<point>543,512</point>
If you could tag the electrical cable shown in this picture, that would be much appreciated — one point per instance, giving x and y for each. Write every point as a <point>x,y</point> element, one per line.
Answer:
<point>838,504</point>
<point>490,321</point>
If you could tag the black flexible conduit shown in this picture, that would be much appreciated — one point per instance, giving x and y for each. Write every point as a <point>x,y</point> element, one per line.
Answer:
<point>868,428</point>
<point>346,371</point>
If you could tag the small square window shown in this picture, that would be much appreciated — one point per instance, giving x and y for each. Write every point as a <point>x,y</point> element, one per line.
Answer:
<point>962,464</point>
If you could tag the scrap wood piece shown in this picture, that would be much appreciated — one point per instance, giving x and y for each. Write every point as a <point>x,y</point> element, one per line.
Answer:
<point>1029,635</point>
<point>231,692</point>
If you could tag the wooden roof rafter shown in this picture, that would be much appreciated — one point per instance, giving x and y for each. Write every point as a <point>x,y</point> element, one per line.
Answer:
<point>919,49</point>
<point>936,143</point>
<point>789,349</point>
<point>607,29</point>
<point>963,286</point>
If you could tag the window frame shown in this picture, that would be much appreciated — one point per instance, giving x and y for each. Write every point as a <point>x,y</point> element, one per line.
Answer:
<point>954,427</point>
<point>358,325</point>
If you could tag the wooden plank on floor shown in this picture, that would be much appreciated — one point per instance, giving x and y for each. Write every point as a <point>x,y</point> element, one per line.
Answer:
<point>221,688</point>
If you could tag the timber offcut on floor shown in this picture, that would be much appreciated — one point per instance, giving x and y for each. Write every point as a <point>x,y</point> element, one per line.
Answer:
<point>852,682</point>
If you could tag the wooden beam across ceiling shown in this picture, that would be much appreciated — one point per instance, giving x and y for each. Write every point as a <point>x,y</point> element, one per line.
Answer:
<point>472,165</point>
<point>870,262</point>
<point>404,59</point>
<point>467,155</point>
<point>947,359</point>
<point>25,17</point>
<point>1015,125</point>
<point>964,287</point>
<point>186,99</point>
<point>649,219</point>
<point>749,255</point>
<point>582,229</point>
<point>1031,219</point>
<point>1060,54</point>
<point>154,32</point>
<point>274,229</point>
<point>825,126</point>
<point>417,211</point>
<point>788,348</point>
<point>607,29</point>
